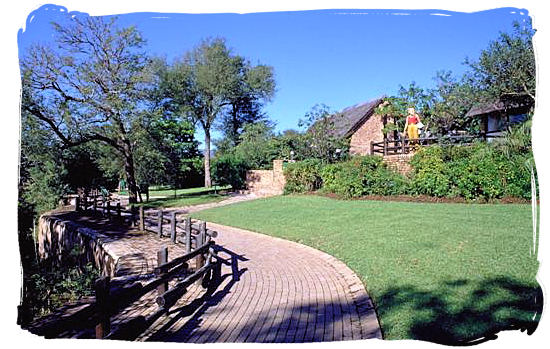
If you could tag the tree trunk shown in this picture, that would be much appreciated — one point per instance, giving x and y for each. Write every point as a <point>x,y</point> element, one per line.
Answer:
<point>130,176</point>
<point>130,172</point>
<point>207,179</point>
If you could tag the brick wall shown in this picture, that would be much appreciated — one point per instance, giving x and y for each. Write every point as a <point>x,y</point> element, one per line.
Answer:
<point>371,130</point>
<point>399,163</point>
<point>266,182</point>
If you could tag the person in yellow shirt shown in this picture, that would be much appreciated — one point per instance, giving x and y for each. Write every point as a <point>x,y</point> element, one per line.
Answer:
<point>411,124</point>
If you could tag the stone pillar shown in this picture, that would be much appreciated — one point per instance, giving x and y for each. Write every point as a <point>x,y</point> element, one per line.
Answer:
<point>278,167</point>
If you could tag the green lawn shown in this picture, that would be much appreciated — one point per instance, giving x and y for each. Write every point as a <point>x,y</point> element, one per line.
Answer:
<point>184,201</point>
<point>187,191</point>
<point>438,272</point>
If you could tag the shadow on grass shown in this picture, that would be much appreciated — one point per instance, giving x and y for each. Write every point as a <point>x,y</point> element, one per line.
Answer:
<point>488,307</point>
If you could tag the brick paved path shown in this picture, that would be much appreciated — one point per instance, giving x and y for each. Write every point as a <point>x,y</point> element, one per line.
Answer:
<point>287,292</point>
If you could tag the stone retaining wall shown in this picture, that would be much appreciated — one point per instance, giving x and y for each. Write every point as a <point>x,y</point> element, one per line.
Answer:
<point>266,182</point>
<point>399,163</point>
<point>58,238</point>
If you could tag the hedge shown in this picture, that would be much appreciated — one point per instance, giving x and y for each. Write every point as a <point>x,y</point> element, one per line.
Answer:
<point>474,172</point>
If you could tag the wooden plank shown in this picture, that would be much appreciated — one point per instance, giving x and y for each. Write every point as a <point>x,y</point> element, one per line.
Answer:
<point>187,256</point>
<point>170,297</point>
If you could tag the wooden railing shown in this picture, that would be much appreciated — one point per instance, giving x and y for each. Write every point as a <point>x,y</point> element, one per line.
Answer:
<point>110,300</point>
<point>405,145</point>
<point>114,295</point>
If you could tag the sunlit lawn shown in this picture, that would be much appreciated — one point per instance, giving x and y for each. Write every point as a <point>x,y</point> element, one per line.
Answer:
<point>439,272</point>
<point>184,201</point>
<point>187,191</point>
<point>185,197</point>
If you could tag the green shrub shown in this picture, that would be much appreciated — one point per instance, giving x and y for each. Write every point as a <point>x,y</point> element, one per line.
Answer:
<point>429,172</point>
<point>231,170</point>
<point>480,171</point>
<point>303,176</point>
<point>362,175</point>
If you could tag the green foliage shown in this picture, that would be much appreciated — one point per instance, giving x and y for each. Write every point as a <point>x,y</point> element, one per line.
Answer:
<point>256,150</point>
<point>211,84</point>
<point>362,175</point>
<point>49,290</point>
<point>45,186</point>
<point>505,71</point>
<point>320,141</point>
<point>303,176</point>
<point>429,177</point>
<point>256,145</point>
<point>475,172</point>
<point>506,68</point>
<point>453,98</point>
<point>230,169</point>
<point>72,89</point>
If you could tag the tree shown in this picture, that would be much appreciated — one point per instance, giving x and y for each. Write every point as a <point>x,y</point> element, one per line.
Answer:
<point>320,138</point>
<point>90,87</point>
<point>210,82</point>
<point>453,98</point>
<point>254,89</point>
<point>506,69</point>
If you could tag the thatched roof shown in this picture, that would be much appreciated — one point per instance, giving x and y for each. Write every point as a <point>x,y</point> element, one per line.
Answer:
<point>350,119</point>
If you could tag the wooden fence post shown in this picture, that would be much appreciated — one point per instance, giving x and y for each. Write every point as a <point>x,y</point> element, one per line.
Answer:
<point>77,203</point>
<point>201,239</point>
<point>173,227</point>
<point>403,145</point>
<point>108,209</point>
<point>162,257</point>
<point>160,223</point>
<point>385,146</point>
<point>95,203</point>
<point>102,288</point>
<point>141,219</point>
<point>371,147</point>
<point>188,235</point>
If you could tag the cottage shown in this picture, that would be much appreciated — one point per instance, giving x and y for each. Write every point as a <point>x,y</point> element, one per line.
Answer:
<point>497,116</point>
<point>361,125</point>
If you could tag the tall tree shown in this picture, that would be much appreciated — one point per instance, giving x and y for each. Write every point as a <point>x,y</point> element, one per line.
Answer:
<point>89,87</point>
<point>453,98</point>
<point>208,80</point>
<point>255,87</point>
<point>506,69</point>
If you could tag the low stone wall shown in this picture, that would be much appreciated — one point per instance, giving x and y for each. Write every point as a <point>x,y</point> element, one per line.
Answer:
<point>399,163</point>
<point>58,238</point>
<point>266,182</point>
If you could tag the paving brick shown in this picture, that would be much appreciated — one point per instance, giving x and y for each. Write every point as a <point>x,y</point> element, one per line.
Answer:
<point>287,292</point>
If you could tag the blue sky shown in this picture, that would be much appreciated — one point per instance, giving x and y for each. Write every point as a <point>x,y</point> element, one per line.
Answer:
<point>336,57</point>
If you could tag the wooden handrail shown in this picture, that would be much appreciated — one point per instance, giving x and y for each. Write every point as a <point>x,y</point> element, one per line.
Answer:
<point>184,258</point>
